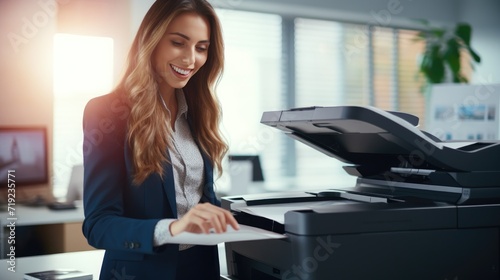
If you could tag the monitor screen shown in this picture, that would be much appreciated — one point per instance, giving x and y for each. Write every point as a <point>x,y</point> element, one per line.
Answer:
<point>23,152</point>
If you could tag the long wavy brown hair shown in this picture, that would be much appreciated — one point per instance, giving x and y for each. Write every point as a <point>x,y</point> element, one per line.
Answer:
<point>149,125</point>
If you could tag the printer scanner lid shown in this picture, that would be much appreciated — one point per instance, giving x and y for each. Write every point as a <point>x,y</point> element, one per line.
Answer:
<point>377,141</point>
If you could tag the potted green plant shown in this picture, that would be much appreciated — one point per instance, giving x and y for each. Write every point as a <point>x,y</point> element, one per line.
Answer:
<point>441,61</point>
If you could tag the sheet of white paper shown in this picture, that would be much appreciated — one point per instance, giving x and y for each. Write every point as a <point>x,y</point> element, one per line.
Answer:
<point>245,233</point>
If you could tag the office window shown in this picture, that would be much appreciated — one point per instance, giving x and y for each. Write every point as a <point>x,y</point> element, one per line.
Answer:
<point>318,62</point>
<point>384,64</point>
<point>251,84</point>
<point>83,69</point>
<point>349,64</point>
<point>320,81</point>
<point>356,67</point>
<point>410,83</point>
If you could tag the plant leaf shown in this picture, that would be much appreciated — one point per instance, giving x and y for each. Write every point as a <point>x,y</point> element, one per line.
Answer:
<point>438,32</point>
<point>475,56</point>
<point>443,53</point>
<point>452,58</point>
<point>432,65</point>
<point>464,32</point>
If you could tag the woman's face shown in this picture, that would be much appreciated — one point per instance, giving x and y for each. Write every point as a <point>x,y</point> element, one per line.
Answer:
<point>182,51</point>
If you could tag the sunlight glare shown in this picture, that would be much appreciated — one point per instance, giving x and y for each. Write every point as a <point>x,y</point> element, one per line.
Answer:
<point>82,64</point>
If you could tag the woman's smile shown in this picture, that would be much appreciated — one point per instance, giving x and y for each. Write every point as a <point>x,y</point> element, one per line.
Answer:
<point>181,72</point>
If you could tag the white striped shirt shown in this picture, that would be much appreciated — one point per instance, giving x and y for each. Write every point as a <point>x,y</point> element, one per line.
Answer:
<point>188,169</point>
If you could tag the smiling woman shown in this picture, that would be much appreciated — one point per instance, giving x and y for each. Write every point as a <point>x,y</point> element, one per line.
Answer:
<point>151,147</point>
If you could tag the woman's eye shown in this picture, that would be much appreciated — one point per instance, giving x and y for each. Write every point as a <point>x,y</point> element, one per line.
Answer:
<point>202,49</point>
<point>177,44</point>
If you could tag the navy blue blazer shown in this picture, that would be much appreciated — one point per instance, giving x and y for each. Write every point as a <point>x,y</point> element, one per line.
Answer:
<point>121,217</point>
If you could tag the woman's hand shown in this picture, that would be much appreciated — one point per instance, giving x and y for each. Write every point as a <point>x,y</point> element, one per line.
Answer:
<point>202,218</point>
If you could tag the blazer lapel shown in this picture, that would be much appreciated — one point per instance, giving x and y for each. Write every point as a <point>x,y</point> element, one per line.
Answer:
<point>167,184</point>
<point>208,187</point>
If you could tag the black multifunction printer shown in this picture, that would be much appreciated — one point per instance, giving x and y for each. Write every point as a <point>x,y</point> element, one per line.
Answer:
<point>420,209</point>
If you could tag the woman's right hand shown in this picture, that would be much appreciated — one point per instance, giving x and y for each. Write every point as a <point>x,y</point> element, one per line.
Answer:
<point>202,218</point>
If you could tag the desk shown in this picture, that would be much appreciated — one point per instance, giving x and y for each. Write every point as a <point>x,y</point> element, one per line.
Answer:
<point>88,261</point>
<point>59,231</point>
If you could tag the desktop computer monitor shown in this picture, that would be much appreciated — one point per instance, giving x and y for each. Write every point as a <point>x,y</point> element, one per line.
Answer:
<point>23,157</point>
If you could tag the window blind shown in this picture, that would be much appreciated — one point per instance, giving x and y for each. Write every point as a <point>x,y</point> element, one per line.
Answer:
<point>252,83</point>
<point>350,64</point>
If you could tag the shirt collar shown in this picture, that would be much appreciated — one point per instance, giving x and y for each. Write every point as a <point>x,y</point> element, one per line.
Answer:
<point>182,106</point>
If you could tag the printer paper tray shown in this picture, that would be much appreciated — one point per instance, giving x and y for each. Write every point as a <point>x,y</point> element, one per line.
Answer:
<point>272,216</point>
